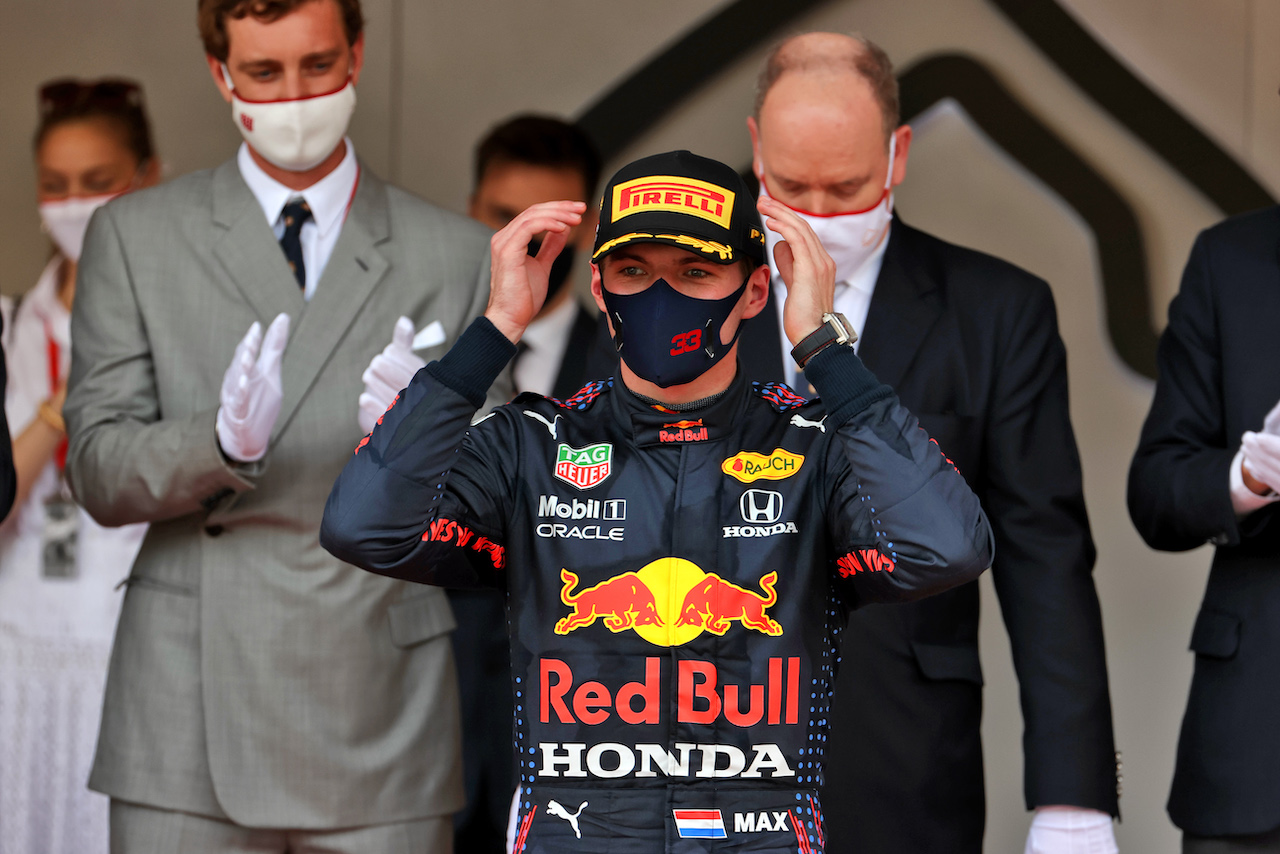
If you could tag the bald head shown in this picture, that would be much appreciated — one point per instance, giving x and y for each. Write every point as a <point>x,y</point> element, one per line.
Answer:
<point>826,60</point>
<point>826,112</point>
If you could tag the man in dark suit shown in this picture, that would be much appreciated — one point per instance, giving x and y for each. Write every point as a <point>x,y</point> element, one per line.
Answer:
<point>262,694</point>
<point>1200,475</point>
<point>523,161</point>
<point>971,345</point>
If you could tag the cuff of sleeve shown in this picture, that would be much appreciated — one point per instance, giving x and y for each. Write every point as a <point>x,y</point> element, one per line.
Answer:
<point>844,383</point>
<point>1070,818</point>
<point>1243,499</point>
<point>474,361</point>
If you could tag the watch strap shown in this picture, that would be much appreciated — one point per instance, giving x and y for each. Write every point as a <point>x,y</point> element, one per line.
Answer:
<point>835,329</point>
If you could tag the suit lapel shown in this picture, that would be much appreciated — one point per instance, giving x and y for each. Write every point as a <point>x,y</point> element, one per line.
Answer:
<point>248,249</point>
<point>353,270</point>
<point>905,306</point>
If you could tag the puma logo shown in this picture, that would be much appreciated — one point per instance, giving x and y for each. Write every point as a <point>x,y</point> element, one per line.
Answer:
<point>550,425</point>
<point>554,808</point>
<point>801,421</point>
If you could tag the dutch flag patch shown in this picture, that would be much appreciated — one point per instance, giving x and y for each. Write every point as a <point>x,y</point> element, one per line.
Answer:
<point>699,824</point>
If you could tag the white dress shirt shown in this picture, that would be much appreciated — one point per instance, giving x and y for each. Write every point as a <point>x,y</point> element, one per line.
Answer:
<point>63,612</point>
<point>852,299</point>
<point>328,199</point>
<point>546,339</point>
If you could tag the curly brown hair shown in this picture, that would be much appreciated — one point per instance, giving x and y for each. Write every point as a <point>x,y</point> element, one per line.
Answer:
<point>212,18</point>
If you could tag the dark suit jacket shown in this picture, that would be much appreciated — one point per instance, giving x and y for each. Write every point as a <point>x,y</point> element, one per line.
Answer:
<point>970,343</point>
<point>1218,363</point>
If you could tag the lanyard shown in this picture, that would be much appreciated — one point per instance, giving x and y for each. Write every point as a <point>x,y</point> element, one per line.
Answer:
<point>55,361</point>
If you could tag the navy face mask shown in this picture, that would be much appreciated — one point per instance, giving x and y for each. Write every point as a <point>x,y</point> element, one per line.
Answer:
<point>666,337</point>
<point>560,268</point>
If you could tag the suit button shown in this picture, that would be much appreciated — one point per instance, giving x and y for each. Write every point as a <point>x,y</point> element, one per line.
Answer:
<point>214,530</point>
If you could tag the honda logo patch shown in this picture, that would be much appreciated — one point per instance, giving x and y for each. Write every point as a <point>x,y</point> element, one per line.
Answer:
<point>760,506</point>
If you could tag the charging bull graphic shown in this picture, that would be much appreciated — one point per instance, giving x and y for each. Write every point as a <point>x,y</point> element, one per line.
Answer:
<point>645,602</point>
<point>623,602</point>
<point>714,603</point>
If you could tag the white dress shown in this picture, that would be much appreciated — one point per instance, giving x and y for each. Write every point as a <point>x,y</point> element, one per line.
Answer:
<point>55,632</point>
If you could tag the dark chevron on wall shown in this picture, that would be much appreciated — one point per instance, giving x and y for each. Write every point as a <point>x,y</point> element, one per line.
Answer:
<point>625,112</point>
<point>641,99</point>
<point>1185,147</point>
<point>1016,130</point>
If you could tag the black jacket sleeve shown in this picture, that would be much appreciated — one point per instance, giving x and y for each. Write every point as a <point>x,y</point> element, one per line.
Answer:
<point>1044,573</point>
<point>905,524</point>
<point>420,499</point>
<point>1179,488</point>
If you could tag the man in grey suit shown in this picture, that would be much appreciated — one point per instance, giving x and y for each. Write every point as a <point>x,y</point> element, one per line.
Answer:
<point>263,695</point>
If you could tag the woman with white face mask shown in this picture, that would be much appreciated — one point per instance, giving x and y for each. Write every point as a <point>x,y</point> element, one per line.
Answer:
<point>58,568</point>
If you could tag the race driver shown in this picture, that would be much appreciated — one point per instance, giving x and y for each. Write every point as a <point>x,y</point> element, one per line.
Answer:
<point>679,548</point>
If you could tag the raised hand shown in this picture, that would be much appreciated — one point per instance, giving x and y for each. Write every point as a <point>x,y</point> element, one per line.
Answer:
<point>252,392</point>
<point>805,267</point>
<point>518,281</point>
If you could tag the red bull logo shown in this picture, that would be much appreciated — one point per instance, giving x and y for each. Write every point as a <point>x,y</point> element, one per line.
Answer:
<point>584,467</point>
<point>623,602</point>
<point>683,431</point>
<point>669,602</point>
<point>702,695</point>
<point>675,194</point>
<point>713,604</point>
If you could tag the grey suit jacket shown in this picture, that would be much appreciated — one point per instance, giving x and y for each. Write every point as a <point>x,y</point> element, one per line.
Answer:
<point>254,676</point>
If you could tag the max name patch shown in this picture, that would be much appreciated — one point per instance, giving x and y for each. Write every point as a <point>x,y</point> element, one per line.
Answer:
<point>749,466</point>
<point>668,193</point>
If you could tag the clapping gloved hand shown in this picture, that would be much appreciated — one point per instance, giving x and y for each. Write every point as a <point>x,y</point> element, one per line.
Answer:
<point>387,375</point>
<point>252,392</point>
<point>1070,830</point>
<point>1262,451</point>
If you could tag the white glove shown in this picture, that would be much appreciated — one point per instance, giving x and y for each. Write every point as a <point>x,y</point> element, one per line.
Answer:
<point>252,392</point>
<point>1262,456</point>
<point>1071,830</point>
<point>388,375</point>
<point>1271,424</point>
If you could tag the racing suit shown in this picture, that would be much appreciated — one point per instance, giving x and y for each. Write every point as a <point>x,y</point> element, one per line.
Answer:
<point>676,583</point>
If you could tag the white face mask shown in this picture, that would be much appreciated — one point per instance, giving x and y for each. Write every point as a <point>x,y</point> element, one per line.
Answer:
<point>850,238</point>
<point>298,134</point>
<point>68,219</point>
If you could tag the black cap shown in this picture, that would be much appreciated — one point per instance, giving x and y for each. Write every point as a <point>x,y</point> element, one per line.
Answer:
<point>684,200</point>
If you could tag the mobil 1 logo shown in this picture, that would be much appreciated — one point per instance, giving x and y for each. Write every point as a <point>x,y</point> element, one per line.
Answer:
<point>576,511</point>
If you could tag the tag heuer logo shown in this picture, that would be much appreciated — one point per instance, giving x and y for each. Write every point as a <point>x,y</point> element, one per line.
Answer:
<point>584,467</point>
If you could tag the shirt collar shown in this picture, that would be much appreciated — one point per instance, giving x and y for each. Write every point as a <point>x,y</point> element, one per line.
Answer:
<point>543,331</point>
<point>327,198</point>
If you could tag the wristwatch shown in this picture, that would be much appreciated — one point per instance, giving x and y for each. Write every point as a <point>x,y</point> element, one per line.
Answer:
<point>835,329</point>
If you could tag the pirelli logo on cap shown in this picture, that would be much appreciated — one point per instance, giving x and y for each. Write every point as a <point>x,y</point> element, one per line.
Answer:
<point>678,195</point>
